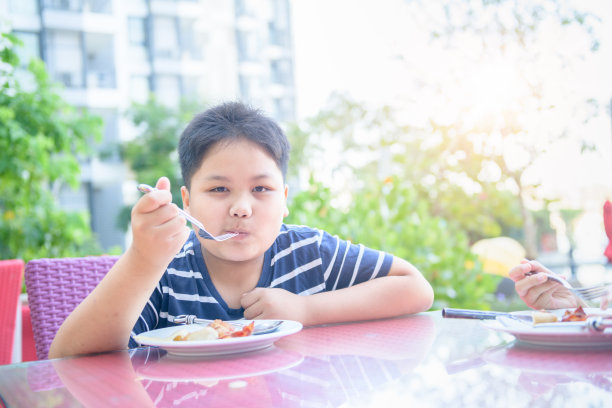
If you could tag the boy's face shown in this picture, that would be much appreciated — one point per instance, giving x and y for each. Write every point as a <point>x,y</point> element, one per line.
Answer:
<point>238,188</point>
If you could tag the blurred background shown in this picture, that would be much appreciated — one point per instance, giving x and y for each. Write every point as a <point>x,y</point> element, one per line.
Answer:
<point>462,135</point>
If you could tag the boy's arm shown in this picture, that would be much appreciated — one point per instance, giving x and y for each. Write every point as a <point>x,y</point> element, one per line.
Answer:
<point>404,290</point>
<point>105,318</point>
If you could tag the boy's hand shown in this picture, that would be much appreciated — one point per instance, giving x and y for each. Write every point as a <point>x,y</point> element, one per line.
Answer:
<point>158,229</point>
<point>273,303</point>
<point>537,291</point>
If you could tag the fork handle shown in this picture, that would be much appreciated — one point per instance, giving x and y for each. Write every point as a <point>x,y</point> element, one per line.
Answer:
<point>145,188</point>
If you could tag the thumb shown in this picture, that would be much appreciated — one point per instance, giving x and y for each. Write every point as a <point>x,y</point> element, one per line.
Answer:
<point>163,183</point>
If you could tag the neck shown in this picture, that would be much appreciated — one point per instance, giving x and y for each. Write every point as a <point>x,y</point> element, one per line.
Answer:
<point>241,276</point>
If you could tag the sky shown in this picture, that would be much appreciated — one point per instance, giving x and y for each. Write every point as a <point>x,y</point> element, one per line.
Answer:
<point>378,53</point>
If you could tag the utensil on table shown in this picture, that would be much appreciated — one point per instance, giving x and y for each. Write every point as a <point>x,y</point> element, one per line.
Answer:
<point>449,312</point>
<point>595,324</point>
<point>260,327</point>
<point>145,188</point>
<point>587,293</point>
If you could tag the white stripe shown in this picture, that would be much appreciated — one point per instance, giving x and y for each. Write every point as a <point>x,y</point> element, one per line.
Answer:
<point>379,262</point>
<point>357,264</point>
<point>341,265</point>
<point>187,250</point>
<point>295,272</point>
<point>154,312</point>
<point>188,296</point>
<point>293,247</point>
<point>184,274</point>
<point>333,260</point>
<point>313,290</point>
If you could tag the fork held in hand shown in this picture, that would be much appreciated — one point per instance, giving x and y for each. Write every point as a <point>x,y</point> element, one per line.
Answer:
<point>145,188</point>
<point>586,293</point>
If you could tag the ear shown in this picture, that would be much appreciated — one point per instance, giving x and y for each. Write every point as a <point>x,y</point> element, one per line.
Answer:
<point>185,197</point>
<point>286,212</point>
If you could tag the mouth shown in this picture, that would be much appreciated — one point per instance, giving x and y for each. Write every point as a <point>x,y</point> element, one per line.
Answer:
<point>240,233</point>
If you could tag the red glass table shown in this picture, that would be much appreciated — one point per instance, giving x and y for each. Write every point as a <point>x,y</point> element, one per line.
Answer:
<point>418,360</point>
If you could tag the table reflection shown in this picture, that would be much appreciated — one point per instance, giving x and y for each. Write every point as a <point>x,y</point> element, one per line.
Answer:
<point>320,366</point>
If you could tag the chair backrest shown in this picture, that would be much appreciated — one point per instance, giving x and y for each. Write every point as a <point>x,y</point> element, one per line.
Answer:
<point>55,287</point>
<point>11,273</point>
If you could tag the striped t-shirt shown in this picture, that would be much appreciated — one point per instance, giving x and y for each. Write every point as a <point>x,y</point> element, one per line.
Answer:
<point>302,260</point>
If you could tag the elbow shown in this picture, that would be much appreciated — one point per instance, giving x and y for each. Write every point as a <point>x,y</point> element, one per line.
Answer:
<point>419,297</point>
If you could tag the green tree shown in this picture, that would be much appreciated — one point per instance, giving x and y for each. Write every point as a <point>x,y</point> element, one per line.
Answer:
<point>41,138</point>
<point>390,188</point>
<point>153,152</point>
<point>524,52</point>
<point>388,215</point>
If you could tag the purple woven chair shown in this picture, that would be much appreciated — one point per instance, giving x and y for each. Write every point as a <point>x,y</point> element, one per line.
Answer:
<point>55,287</point>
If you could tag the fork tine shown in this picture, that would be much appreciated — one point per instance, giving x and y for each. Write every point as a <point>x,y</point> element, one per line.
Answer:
<point>592,292</point>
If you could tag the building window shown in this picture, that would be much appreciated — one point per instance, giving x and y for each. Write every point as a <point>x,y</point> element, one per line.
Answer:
<point>192,42</point>
<point>165,39</point>
<point>65,58</point>
<point>140,88</point>
<point>168,90</point>
<point>137,37</point>
<point>65,5</point>
<point>27,7</point>
<point>100,60</point>
<point>30,49</point>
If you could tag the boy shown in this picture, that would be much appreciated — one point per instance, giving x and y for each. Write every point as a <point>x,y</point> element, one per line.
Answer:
<point>233,161</point>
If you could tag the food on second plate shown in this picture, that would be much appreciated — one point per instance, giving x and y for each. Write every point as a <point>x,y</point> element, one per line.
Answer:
<point>577,315</point>
<point>217,329</point>
<point>542,316</point>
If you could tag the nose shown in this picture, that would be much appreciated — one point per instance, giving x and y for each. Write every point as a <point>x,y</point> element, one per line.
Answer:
<point>241,208</point>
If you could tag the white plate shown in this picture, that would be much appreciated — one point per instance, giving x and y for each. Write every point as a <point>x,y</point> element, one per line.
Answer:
<point>562,334</point>
<point>214,347</point>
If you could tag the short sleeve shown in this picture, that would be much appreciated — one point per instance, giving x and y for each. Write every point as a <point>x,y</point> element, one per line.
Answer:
<point>346,264</point>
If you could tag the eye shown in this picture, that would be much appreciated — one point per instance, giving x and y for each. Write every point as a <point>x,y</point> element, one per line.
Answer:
<point>218,190</point>
<point>260,189</point>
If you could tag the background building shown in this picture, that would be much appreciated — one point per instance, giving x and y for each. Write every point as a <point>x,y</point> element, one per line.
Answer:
<point>110,53</point>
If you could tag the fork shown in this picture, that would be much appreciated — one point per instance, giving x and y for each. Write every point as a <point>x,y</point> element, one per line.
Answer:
<point>260,327</point>
<point>586,293</point>
<point>145,188</point>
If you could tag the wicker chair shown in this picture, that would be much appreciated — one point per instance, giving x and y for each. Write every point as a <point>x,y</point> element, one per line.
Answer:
<point>11,275</point>
<point>55,287</point>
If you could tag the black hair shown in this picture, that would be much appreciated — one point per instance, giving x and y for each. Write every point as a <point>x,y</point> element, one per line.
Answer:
<point>226,122</point>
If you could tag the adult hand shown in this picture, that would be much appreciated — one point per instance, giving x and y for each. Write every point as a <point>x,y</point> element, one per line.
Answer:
<point>158,230</point>
<point>273,303</point>
<point>537,291</point>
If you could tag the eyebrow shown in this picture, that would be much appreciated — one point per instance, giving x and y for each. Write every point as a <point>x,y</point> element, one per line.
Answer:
<point>218,177</point>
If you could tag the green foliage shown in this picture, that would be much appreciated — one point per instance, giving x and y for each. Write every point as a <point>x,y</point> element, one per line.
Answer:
<point>40,140</point>
<point>416,193</point>
<point>389,216</point>
<point>153,153</point>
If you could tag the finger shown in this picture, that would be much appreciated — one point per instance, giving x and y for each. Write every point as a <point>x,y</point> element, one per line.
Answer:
<point>254,311</point>
<point>527,283</point>
<point>538,267</point>
<point>542,291</point>
<point>518,272</point>
<point>163,183</point>
<point>152,201</point>
<point>249,298</point>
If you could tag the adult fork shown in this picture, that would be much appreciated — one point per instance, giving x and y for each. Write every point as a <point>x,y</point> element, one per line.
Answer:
<point>145,188</point>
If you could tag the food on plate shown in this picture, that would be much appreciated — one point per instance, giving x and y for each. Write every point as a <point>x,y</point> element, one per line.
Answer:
<point>218,329</point>
<point>577,315</point>
<point>205,333</point>
<point>542,316</point>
